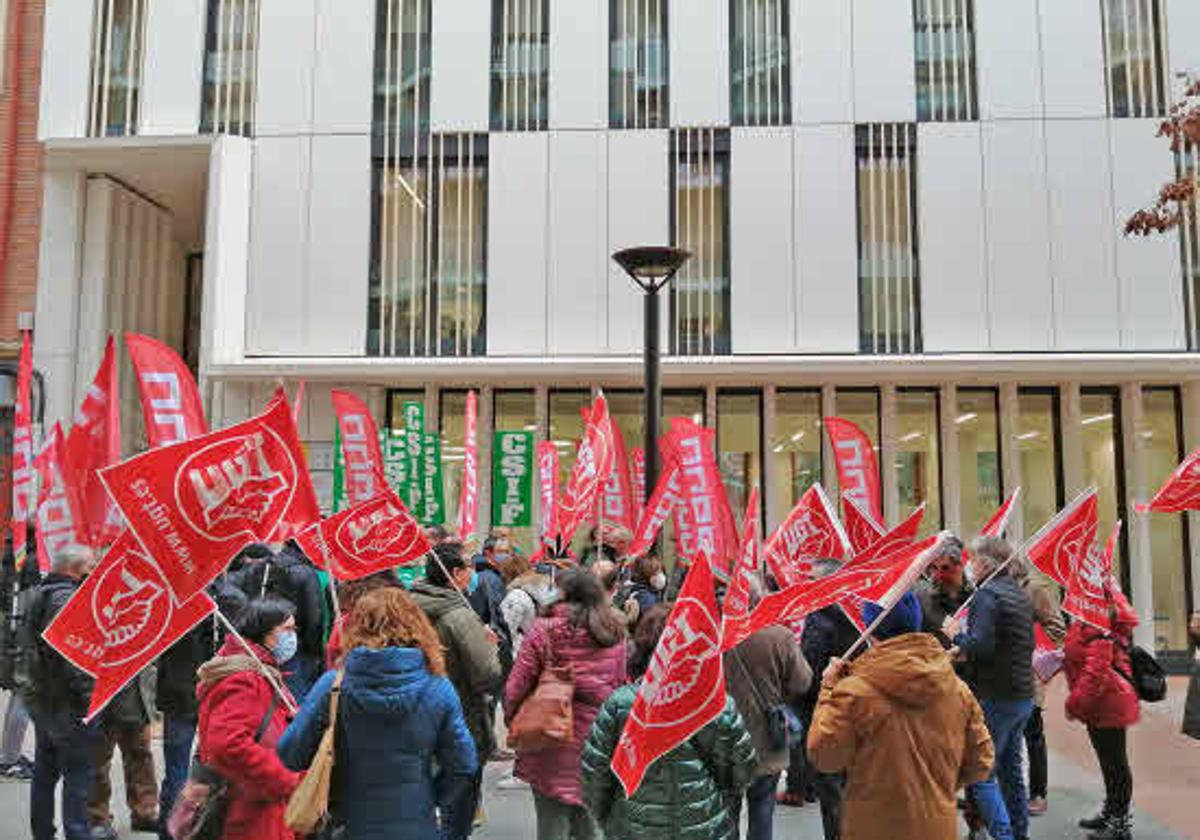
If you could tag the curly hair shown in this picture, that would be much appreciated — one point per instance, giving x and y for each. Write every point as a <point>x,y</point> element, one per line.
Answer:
<point>517,565</point>
<point>351,591</point>
<point>389,617</point>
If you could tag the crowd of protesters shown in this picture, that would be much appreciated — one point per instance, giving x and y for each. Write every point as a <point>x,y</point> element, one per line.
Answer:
<point>929,722</point>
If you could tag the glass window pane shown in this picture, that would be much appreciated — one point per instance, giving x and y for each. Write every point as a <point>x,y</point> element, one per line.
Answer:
<point>977,422</point>
<point>638,64</point>
<point>1160,443</point>
<point>628,414</point>
<point>861,407</point>
<point>739,446</point>
<point>796,446</point>
<point>453,416</point>
<point>1102,460</point>
<point>519,81</point>
<point>760,81</point>
<point>516,411</point>
<point>1037,439</point>
<point>945,61</point>
<point>918,473</point>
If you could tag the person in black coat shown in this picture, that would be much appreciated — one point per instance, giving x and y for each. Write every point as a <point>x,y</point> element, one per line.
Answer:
<point>16,588</point>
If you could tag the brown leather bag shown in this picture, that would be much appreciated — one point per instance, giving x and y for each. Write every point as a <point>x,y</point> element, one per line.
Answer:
<point>546,719</point>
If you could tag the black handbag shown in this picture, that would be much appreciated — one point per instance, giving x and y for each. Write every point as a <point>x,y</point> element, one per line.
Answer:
<point>784,728</point>
<point>1148,678</point>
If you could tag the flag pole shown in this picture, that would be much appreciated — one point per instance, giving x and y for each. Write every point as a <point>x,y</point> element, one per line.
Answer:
<point>271,676</point>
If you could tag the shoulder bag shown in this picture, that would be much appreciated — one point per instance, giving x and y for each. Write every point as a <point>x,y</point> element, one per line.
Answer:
<point>783,725</point>
<point>308,808</point>
<point>1148,678</point>
<point>546,718</point>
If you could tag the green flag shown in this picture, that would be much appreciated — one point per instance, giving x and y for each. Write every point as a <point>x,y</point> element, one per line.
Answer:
<point>395,460</point>
<point>340,502</point>
<point>414,431</point>
<point>433,508</point>
<point>512,479</point>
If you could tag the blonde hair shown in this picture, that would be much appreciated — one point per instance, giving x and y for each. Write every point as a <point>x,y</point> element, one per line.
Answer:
<point>390,618</point>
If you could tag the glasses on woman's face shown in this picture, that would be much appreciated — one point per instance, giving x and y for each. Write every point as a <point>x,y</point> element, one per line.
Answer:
<point>947,567</point>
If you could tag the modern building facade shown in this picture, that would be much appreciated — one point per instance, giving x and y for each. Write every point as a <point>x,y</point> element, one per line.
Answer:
<point>904,212</point>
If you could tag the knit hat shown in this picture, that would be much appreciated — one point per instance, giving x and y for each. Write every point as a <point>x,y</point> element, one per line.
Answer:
<point>905,617</point>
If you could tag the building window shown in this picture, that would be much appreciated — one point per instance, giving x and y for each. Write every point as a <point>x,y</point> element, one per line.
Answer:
<point>1038,439</point>
<point>977,424</point>
<point>520,46</point>
<point>1187,167</point>
<point>230,67</point>
<point>700,225</point>
<point>1133,57</point>
<point>637,62</point>
<point>918,446</point>
<point>945,53</point>
<point>118,41</point>
<point>402,62</point>
<point>889,305</point>
<point>739,445</point>
<point>760,76</point>
<point>862,407</point>
<point>796,445</point>
<point>1104,466</point>
<point>428,281</point>
<point>1161,439</point>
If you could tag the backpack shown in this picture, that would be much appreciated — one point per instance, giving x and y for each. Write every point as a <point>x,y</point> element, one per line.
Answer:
<point>1148,678</point>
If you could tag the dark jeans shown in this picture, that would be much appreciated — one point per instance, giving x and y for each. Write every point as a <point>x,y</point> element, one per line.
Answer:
<point>760,808</point>
<point>828,787</point>
<point>1109,745</point>
<point>799,772</point>
<point>64,751</point>
<point>458,816</point>
<point>1002,799</point>
<point>178,735</point>
<point>1035,745</point>
<point>556,820</point>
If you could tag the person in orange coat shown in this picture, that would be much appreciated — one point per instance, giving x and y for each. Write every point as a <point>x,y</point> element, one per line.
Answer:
<point>904,728</point>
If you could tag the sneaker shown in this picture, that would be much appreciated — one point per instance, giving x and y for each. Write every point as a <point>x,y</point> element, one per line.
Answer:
<point>480,818</point>
<point>1094,823</point>
<point>1038,806</point>
<point>1114,828</point>
<point>503,754</point>
<point>18,771</point>
<point>104,831</point>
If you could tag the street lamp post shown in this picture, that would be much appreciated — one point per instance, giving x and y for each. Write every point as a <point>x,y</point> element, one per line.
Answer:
<point>651,268</point>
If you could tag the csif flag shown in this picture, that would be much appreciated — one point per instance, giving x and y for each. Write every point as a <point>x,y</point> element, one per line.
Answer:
<point>705,505</point>
<point>360,447</point>
<point>862,528</point>
<point>171,405</point>
<point>810,532</point>
<point>1181,491</point>
<point>24,482</point>
<point>593,463</point>
<point>373,535</point>
<point>547,455</point>
<point>684,687</point>
<point>1062,542</point>
<point>998,524</point>
<point>120,619</point>
<point>59,517</point>
<point>195,504</point>
<point>737,600</point>
<point>468,503</point>
<point>94,443</point>
<point>1087,597</point>
<point>858,471</point>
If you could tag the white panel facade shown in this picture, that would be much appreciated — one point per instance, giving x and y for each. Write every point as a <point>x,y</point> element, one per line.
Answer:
<point>286,56</point>
<point>954,276</point>
<point>1183,31</point>
<point>1072,59</point>
<point>699,58</point>
<point>884,70</point>
<point>278,247</point>
<point>1148,268</point>
<point>1008,59</point>
<point>66,65</point>
<point>578,242</point>
<point>762,291</point>
<point>516,288</point>
<point>339,246</point>
<point>1021,302</point>
<point>462,31</point>
<point>639,212</point>
<point>579,64</point>
<point>1083,250</point>
<point>826,240</point>
<point>173,69</point>
<point>344,67</point>
<point>822,41</point>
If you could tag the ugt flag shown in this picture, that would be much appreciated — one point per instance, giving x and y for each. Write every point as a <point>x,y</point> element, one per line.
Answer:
<point>24,482</point>
<point>998,524</point>
<point>94,443</point>
<point>684,688</point>
<point>1064,540</point>
<point>373,535</point>
<point>171,403</point>
<point>1181,491</point>
<point>858,471</point>
<point>593,463</point>
<point>737,599</point>
<point>1087,596</point>
<point>360,447</point>
<point>194,505</point>
<point>810,532</point>
<point>862,528</point>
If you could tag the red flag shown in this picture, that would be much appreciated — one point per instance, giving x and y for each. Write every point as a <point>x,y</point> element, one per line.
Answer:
<point>121,619</point>
<point>737,600</point>
<point>862,528</point>
<point>1087,596</point>
<point>1181,491</point>
<point>639,481</point>
<point>298,404</point>
<point>810,532</point>
<point>171,403</point>
<point>304,509</point>
<point>94,443</point>
<point>23,475</point>
<point>684,688</point>
<point>58,510</point>
<point>593,463</point>
<point>360,448</point>
<point>662,503</point>
<point>1064,540</point>
<point>998,524</point>
<point>616,499</point>
<point>194,505</point>
<point>468,503</point>
<point>547,455</point>
<point>900,536</point>
<point>373,535</point>
<point>858,472</point>
<point>705,500</point>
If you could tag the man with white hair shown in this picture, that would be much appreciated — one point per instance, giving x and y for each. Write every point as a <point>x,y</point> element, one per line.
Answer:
<point>58,695</point>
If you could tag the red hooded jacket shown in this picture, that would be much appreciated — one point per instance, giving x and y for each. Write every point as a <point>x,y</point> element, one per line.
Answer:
<point>1094,662</point>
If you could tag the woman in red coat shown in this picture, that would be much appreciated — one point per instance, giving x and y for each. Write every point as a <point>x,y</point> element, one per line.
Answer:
<point>1102,697</point>
<point>236,697</point>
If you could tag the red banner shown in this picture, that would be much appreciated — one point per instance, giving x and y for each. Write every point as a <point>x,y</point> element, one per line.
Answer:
<point>1064,540</point>
<point>862,528</point>
<point>858,471</point>
<point>94,443</point>
<point>593,463</point>
<point>194,505</point>
<point>468,503</point>
<point>171,403</point>
<point>810,532</point>
<point>24,482</point>
<point>360,448</point>
<point>1181,491</point>
<point>998,524</point>
<point>1087,597</point>
<point>900,536</point>
<point>547,455</point>
<point>616,500</point>
<point>59,520</point>
<point>663,501</point>
<point>305,510</point>
<point>298,404</point>
<point>639,481</point>
<point>373,535</point>
<point>703,491</point>
<point>684,688</point>
<point>121,619</point>
<point>737,599</point>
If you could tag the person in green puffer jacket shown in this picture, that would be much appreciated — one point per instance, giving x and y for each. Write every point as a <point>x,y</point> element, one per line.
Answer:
<point>686,793</point>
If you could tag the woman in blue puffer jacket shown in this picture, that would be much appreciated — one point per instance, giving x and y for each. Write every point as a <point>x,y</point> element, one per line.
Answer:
<point>398,719</point>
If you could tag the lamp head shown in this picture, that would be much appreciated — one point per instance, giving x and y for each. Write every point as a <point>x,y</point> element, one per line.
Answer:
<point>651,266</point>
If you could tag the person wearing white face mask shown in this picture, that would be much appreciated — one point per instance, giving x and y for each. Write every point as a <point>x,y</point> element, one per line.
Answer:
<point>647,586</point>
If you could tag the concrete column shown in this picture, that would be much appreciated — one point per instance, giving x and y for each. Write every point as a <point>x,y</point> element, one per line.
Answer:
<point>710,406</point>
<point>775,505</point>
<point>887,454</point>
<point>1140,562</point>
<point>1010,457</point>
<point>1190,397</point>
<point>828,463</point>
<point>951,489</point>
<point>1074,480</point>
